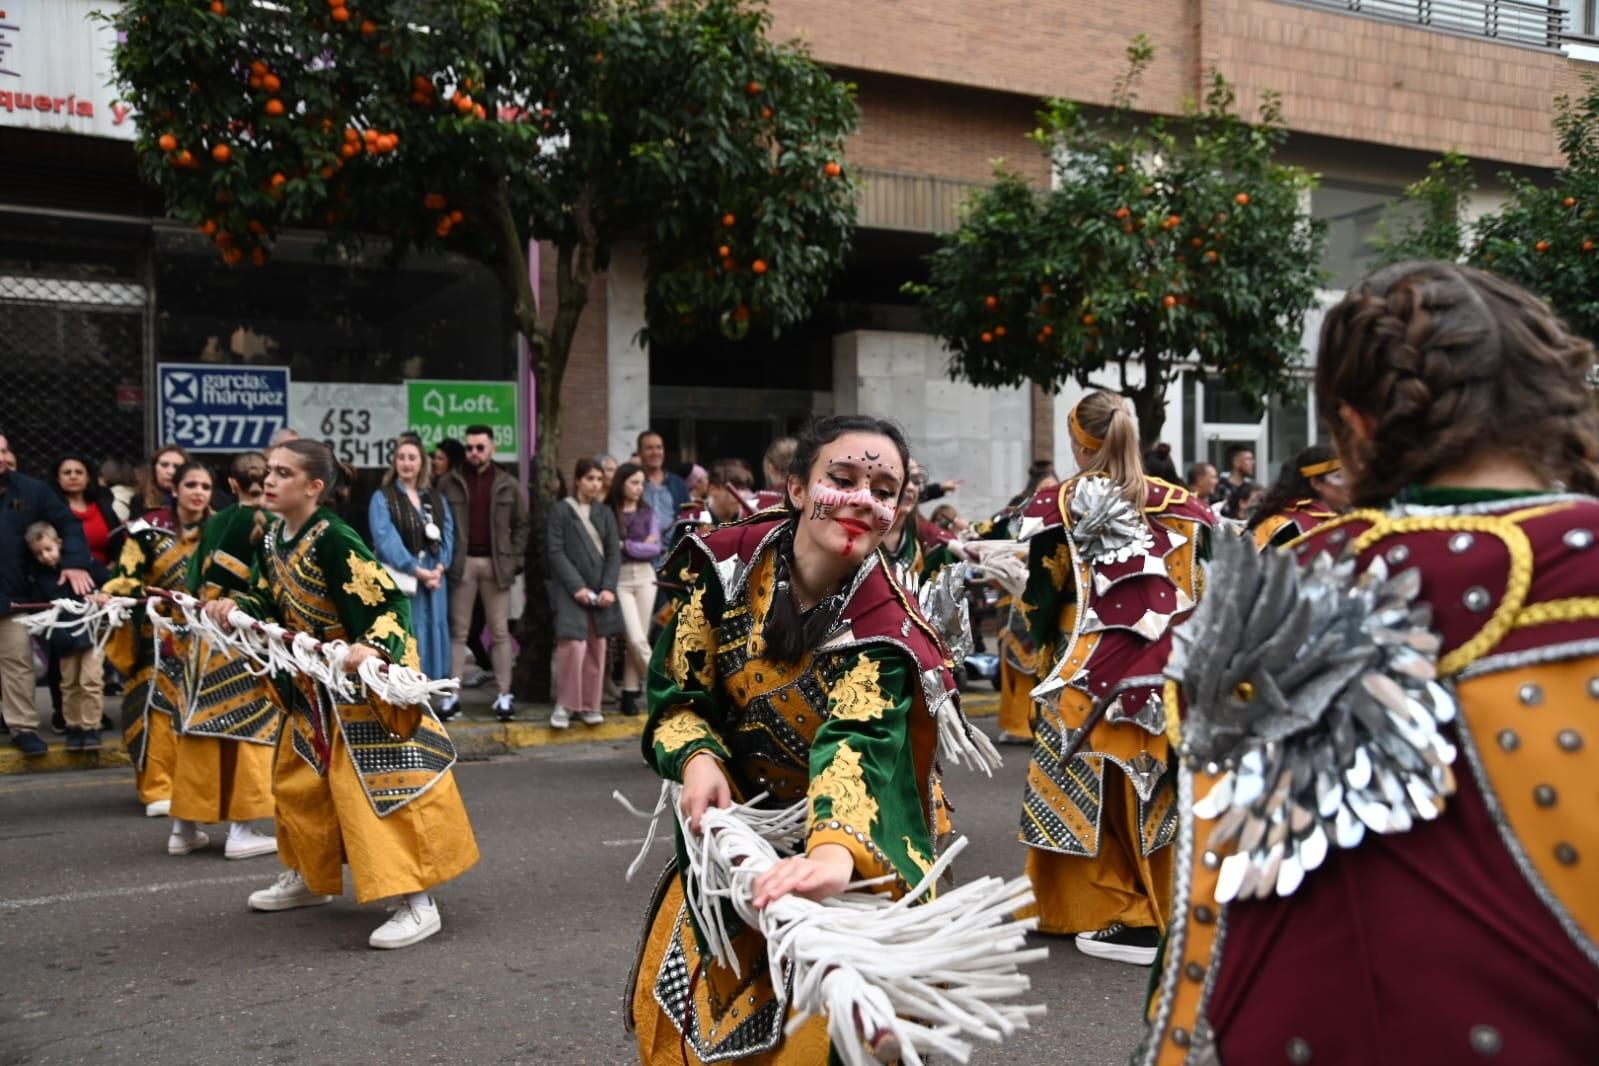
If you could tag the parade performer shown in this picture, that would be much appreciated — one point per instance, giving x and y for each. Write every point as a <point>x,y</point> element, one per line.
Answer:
<point>155,555</point>
<point>1388,846</point>
<point>1114,563</point>
<point>1018,658</point>
<point>223,764</point>
<point>1309,490</point>
<point>797,668</point>
<point>364,781</point>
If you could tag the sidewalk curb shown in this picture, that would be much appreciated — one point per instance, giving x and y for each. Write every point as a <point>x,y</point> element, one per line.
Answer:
<point>474,739</point>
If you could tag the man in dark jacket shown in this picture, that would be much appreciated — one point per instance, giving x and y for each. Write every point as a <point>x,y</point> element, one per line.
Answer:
<point>491,530</point>
<point>24,501</point>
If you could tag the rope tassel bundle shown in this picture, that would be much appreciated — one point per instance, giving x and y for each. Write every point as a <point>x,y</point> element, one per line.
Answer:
<point>896,980</point>
<point>268,646</point>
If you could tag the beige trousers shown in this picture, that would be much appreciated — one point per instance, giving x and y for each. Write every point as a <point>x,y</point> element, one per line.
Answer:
<point>478,579</point>
<point>17,680</point>
<point>82,689</point>
<point>635,593</point>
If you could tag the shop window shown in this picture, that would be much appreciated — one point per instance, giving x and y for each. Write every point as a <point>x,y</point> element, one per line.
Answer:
<point>1352,212</point>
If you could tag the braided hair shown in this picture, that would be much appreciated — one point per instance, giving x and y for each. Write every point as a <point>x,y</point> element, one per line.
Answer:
<point>1449,363</point>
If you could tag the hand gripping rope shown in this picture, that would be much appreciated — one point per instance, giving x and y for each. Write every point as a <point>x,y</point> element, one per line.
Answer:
<point>895,979</point>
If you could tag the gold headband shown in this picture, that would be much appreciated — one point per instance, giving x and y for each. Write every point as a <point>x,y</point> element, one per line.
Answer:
<point>1089,442</point>
<point>1321,469</point>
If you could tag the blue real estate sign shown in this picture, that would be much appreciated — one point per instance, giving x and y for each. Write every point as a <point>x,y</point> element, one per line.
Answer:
<point>209,408</point>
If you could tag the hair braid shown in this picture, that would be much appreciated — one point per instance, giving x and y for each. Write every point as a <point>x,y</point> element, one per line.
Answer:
<point>1449,363</point>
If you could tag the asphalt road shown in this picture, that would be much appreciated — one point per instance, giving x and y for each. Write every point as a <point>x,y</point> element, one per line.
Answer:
<point>111,951</point>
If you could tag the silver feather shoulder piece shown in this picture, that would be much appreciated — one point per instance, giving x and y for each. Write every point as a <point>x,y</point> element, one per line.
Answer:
<point>1106,528</point>
<point>942,599</point>
<point>1316,694</point>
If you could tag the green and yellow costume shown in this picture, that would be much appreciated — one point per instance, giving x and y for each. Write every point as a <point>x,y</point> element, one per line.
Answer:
<point>362,782</point>
<point>154,693</point>
<point>850,728</point>
<point>223,768</point>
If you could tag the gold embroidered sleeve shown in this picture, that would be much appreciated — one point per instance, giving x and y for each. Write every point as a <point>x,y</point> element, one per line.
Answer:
<point>127,576</point>
<point>368,580</point>
<point>685,703</point>
<point>865,791</point>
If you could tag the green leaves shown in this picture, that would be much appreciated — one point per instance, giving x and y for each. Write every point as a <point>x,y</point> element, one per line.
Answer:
<point>1164,243</point>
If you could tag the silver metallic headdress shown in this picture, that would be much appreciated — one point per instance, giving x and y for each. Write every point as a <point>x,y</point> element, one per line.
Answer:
<point>1315,692</point>
<point>1105,526</point>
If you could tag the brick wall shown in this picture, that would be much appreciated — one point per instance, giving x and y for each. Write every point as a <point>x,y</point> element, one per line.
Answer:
<point>942,130</point>
<point>583,391</point>
<point>1369,80</point>
<point>1030,47</point>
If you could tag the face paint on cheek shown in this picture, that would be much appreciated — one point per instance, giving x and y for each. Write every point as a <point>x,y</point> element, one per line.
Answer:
<point>825,499</point>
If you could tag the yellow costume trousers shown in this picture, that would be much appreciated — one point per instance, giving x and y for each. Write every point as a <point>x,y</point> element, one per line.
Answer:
<point>217,780</point>
<point>1015,703</point>
<point>325,822</point>
<point>659,1041</point>
<point>1121,884</point>
<point>161,755</point>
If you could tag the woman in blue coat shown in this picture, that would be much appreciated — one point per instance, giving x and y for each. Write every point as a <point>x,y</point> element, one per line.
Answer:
<point>413,533</point>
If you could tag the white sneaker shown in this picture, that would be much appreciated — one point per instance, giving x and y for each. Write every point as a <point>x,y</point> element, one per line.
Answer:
<point>449,707</point>
<point>287,892</point>
<point>245,843</point>
<point>591,717</point>
<point>181,843</point>
<point>502,706</point>
<point>412,923</point>
<point>560,718</point>
<point>158,809</point>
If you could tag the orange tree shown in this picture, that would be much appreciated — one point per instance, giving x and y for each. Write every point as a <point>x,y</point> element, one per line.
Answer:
<point>1164,244</point>
<point>480,125</point>
<point>1545,236</point>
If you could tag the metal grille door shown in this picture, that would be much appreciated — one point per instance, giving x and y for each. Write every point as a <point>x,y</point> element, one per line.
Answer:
<point>71,368</point>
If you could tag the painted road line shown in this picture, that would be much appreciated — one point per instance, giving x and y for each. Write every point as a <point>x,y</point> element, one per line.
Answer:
<point>131,890</point>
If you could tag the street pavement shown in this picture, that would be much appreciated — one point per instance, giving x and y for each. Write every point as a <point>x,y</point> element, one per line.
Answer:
<point>111,951</point>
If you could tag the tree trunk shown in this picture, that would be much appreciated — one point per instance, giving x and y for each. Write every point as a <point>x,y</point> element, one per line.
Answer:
<point>574,270</point>
<point>1149,398</point>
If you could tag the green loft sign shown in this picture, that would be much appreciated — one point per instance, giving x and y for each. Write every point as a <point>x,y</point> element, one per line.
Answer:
<point>440,409</point>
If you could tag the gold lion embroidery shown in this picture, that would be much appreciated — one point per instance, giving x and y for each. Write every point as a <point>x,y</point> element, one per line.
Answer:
<point>680,728</point>
<point>693,634</point>
<point>1059,566</point>
<point>844,786</point>
<point>386,626</point>
<point>858,695</point>
<point>132,557</point>
<point>411,659</point>
<point>916,856</point>
<point>367,580</point>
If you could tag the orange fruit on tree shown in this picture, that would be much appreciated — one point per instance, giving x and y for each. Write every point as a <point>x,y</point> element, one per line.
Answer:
<point>728,219</point>
<point>443,228</point>
<point>1088,320</point>
<point>258,257</point>
<point>1242,199</point>
<point>1587,246</point>
<point>218,7</point>
<point>221,153</point>
<point>741,313</point>
<point>274,107</point>
<point>723,252</point>
<point>349,150</point>
<point>434,201</point>
<point>259,68</point>
<point>184,158</point>
<point>463,103</point>
<point>167,142</point>
<point>1169,301</point>
<point>479,112</point>
<point>753,88</point>
<point>271,83</point>
<point>255,81</point>
<point>1542,246</point>
<point>341,14</point>
<point>257,227</point>
<point>1122,212</point>
<point>991,302</point>
<point>987,338</point>
<point>1048,331</point>
<point>457,217</point>
<point>999,331</point>
<point>1198,242</point>
<point>759,266</point>
<point>1210,256</point>
<point>1570,201</point>
<point>729,263</point>
<point>278,181</point>
<point>208,227</point>
<point>368,28</point>
<point>832,169</point>
<point>766,112</point>
<point>327,173</point>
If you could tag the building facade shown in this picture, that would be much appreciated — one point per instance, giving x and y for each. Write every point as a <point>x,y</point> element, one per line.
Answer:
<point>97,293</point>
<point>1372,91</point>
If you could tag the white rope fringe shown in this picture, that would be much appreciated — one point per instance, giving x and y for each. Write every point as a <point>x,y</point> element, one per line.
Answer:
<point>898,979</point>
<point>1003,562</point>
<point>269,647</point>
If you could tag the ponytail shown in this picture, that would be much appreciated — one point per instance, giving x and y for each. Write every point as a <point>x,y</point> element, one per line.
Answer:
<point>1103,419</point>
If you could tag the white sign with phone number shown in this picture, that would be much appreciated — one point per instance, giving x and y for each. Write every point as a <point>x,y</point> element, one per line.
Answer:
<point>359,420</point>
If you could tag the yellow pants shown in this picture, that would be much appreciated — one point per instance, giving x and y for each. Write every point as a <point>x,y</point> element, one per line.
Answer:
<point>1121,884</point>
<point>217,780</point>
<point>659,1041</point>
<point>324,822</point>
<point>160,756</point>
<point>1015,703</point>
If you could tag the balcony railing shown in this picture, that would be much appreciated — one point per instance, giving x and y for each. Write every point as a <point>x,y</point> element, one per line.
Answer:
<point>1510,21</point>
